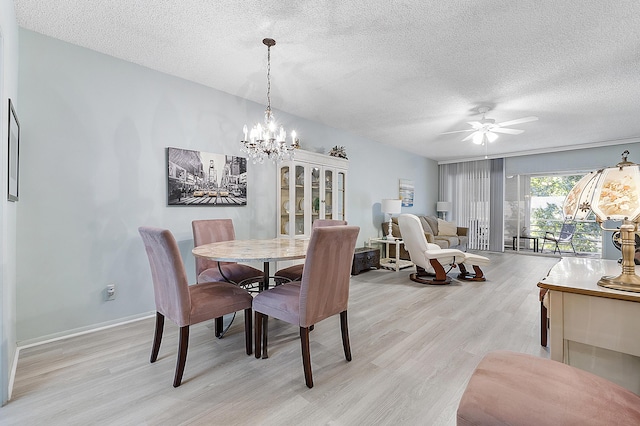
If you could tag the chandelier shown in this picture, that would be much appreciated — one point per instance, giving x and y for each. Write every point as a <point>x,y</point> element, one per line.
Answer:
<point>267,140</point>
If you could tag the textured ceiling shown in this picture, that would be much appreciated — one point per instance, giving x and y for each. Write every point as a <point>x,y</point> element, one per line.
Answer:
<point>400,73</point>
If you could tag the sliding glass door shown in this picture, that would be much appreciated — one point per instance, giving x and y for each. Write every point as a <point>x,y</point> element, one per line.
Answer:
<point>533,206</point>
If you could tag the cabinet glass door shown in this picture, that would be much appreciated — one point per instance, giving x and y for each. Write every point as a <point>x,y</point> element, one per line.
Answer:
<point>316,202</point>
<point>328,194</point>
<point>285,200</point>
<point>299,201</point>
<point>340,196</point>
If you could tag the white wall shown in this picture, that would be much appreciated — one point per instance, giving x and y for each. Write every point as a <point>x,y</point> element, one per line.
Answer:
<point>8,89</point>
<point>94,133</point>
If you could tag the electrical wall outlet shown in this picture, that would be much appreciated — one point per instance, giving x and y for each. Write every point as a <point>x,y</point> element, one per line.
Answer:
<point>111,292</point>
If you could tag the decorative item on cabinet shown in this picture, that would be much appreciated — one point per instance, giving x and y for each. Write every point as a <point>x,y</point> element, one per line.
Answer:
<point>338,151</point>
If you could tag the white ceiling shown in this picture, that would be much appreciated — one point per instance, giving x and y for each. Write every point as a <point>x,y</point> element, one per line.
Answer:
<point>397,72</point>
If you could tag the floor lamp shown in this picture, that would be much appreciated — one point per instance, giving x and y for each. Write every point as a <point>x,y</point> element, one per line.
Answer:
<point>391,207</point>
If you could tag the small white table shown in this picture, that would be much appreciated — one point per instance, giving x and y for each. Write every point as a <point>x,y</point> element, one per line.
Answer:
<point>391,263</point>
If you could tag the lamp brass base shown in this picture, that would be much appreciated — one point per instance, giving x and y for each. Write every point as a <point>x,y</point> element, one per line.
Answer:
<point>624,282</point>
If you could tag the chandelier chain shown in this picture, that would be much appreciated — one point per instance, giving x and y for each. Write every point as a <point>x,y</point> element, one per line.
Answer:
<point>269,78</point>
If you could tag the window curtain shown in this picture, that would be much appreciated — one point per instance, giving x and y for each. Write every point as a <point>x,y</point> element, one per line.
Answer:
<point>476,192</point>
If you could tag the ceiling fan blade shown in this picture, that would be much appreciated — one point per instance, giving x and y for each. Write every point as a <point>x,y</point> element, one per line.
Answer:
<point>458,131</point>
<point>469,137</point>
<point>518,121</point>
<point>507,131</point>
<point>475,124</point>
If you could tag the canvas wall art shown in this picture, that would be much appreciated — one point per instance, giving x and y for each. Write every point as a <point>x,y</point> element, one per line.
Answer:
<point>406,192</point>
<point>198,178</point>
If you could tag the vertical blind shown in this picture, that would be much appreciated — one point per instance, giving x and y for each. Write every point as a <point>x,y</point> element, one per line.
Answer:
<point>476,192</point>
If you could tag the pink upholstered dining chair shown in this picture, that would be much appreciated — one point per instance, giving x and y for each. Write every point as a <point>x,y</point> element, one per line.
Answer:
<point>294,273</point>
<point>322,292</point>
<point>187,304</point>
<point>213,231</point>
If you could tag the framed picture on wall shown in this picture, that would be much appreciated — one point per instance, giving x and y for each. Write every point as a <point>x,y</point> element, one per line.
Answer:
<point>13,154</point>
<point>406,192</point>
<point>198,178</point>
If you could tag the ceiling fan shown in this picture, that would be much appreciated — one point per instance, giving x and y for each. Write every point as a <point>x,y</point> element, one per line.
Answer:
<point>485,130</point>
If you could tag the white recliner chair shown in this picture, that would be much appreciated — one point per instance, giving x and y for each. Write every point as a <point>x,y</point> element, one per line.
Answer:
<point>429,258</point>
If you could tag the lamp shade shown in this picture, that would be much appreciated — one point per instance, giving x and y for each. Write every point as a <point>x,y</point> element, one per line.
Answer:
<point>443,206</point>
<point>392,206</point>
<point>611,193</point>
<point>616,194</point>
<point>577,205</point>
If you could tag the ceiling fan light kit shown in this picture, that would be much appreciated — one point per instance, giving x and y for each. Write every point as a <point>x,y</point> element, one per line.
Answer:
<point>485,131</point>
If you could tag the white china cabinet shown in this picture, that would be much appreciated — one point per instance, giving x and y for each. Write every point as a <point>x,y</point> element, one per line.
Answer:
<point>311,186</point>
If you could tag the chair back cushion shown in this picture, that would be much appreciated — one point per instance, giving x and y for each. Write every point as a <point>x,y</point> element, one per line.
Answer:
<point>414,240</point>
<point>433,224</point>
<point>447,228</point>
<point>170,285</point>
<point>211,231</point>
<point>567,231</point>
<point>324,289</point>
<point>328,222</point>
<point>426,227</point>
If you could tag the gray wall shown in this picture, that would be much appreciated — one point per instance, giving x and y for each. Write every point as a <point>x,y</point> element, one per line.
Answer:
<point>95,130</point>
<point>8,90</point>
<point>586,159</point>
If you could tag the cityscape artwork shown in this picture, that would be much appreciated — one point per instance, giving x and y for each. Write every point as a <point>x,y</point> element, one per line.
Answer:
<point>204,179</point>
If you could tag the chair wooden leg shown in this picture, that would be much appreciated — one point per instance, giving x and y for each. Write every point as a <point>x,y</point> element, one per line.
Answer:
<point>257,332</point>
<point>344,328</point>
<point>306,356</point>
<point>262,323</point>
<point>265,333</point>
<point>157,337</point>
<point>182,355</point>
<point>219,326</point>
<point>247,330</point>
<point>543,325</point>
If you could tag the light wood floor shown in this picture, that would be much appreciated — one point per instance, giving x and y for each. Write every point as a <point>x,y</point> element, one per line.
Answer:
<point>414,348</point>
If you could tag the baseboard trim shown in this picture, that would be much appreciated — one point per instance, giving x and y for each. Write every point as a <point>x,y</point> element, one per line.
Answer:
<point>12,375</point>
<point>83,330</point>
<point>67,335</point>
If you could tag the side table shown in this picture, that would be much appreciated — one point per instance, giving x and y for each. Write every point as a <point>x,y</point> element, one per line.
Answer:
<point>591,327</point>
<point>390,263</point>
<point>365,258</point>
<point>526,239</point>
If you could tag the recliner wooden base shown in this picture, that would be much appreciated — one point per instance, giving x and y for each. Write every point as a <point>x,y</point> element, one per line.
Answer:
<point>439,278</point>
<point>468,276</point>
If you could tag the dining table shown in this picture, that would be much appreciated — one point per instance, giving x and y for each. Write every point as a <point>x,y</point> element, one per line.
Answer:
<point>266,251</point>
